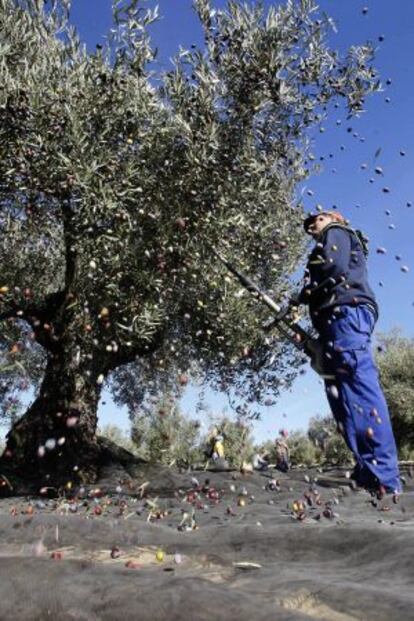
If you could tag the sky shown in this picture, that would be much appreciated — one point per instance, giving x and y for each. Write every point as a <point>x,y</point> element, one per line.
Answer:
<point>351,150</point>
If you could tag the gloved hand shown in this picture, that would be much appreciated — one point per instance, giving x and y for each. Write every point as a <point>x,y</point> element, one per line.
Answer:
<point>300,297</point>
<point>269,324</point>
<point>295,299</point>
<point>272,321</point>
<point>315,350</point>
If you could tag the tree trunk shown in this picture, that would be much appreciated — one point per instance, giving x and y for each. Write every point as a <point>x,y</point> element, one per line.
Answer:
<point>54,443</point>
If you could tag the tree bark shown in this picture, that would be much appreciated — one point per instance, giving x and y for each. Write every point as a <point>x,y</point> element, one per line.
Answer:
<point>54,442</point>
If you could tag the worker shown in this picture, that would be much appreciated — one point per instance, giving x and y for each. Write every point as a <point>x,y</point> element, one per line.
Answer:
<point>344,311</point>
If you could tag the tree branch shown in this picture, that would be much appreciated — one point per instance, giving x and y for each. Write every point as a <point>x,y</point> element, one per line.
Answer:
<point>126,355</point>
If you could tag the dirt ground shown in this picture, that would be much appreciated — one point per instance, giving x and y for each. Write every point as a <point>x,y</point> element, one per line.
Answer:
<point>164,545</point>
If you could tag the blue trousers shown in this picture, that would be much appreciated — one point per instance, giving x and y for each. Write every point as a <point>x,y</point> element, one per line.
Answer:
<point>355,395</point>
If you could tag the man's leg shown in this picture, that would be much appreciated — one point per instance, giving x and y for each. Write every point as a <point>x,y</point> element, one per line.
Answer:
<point>341,365</point>
<point>343,418</point>
<point>369,423</point>
<point>357,400</point>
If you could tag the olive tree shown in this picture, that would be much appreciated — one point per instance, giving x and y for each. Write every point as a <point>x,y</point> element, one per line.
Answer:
<point>395,360</point>
<point>118,436</point>
<point>114,187</point>
<point>21,369</point>
<point>329,442</point>
<point>165,435</point>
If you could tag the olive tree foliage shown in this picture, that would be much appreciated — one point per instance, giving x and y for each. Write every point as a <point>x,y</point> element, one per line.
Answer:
<point>113,190</point>
<point>21,369</point>
<point>237,434</point>
<point>117,435</point>
<point>320,444</point>
<point>328,441</point>
<point>165,435</point>
<point>301,450</point>
<point>395,359</point>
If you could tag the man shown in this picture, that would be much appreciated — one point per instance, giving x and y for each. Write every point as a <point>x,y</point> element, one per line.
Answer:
<point>282,454</point>
<point>260,461</point>
<point>215,449</point>
<point>344,311</point>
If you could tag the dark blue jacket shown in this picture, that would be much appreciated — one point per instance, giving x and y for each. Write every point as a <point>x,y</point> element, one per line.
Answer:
<point>337,272</point>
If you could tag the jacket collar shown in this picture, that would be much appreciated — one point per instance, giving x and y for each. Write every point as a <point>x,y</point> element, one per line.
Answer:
<point>331,226</point>
<point>345,228</point>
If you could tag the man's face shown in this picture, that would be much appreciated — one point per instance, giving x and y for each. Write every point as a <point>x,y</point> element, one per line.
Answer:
<point>318,224</point>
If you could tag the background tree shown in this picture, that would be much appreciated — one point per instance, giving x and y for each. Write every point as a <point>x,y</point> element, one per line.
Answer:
<point>336,451</point>
<point>112,192</point>
<point>329,443</point>
<point>21,369</point>
<point>320,429</point>
<point>237,436</point>
<point>166,436</point>
<point>302,450</point>
<point>118,436</point>
<point>395,360</point>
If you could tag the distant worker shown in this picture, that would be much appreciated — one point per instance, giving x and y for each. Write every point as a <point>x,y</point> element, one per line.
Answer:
<point>215,447</point>
<point>344,311</point>
<point>261,460</point>
<point>282,454</point>
<point>218,447</point>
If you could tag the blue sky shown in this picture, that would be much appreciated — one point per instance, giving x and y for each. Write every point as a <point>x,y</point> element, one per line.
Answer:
<point>387,125</point>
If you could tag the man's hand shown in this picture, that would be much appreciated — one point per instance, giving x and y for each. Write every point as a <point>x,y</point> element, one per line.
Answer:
<point>294,300</point>
<point>269,324</point>
<point>300,297</point>
<point>272,321</point>
<point>319,363</point>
